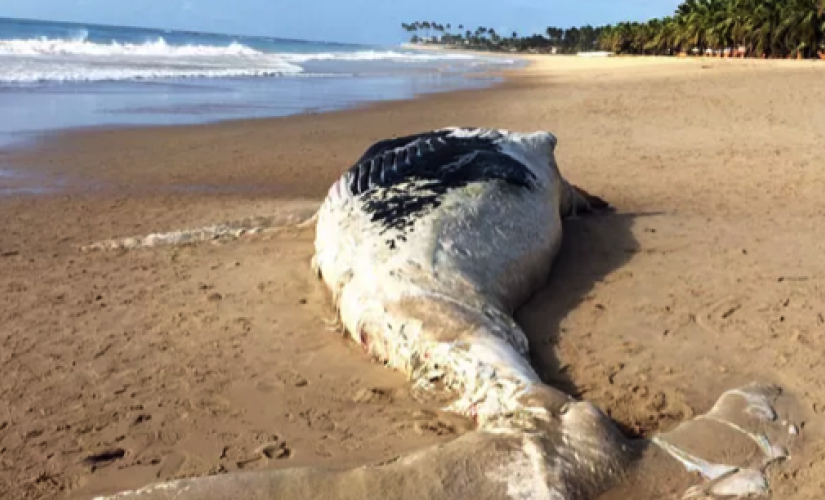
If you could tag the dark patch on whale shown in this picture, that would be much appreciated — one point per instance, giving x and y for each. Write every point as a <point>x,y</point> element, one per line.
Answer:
<point>428,165</point>
<point>453,161</point>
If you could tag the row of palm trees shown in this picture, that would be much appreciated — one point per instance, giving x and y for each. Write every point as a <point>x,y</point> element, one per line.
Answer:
<point>571,40</point>
<point>562,40</point>
<point>428,26</point>
<point>753,28</point>
<point>747,28</point>
<point>481,37</point>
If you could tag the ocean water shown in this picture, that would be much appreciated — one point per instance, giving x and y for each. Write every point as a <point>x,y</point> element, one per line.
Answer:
<point>62,75</point>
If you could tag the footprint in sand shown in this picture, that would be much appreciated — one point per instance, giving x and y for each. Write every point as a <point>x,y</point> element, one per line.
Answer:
<point>436,427</point>
<point>292,378</point>
<point>264,437</point>
<point>274,451</point>
<point>171,465</point>
<point>373,395</point>
<point>104,458</point>
<point>266,387</point>
<point>272,448</point>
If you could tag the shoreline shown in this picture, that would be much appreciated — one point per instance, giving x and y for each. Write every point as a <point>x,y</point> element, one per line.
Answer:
<point>186,360</point>
<point>32,137</point>
<point>16,157</point>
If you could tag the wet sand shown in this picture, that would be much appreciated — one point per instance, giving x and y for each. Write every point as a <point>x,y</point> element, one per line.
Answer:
<point>123,368</point>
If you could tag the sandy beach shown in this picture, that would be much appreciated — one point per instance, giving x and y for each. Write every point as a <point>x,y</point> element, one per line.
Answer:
<point>118,369</point>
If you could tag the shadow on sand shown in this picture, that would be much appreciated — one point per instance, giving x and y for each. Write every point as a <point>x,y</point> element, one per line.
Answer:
<point>592,247</point>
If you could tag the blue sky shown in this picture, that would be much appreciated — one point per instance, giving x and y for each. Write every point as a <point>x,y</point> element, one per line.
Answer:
<point>359,21</point>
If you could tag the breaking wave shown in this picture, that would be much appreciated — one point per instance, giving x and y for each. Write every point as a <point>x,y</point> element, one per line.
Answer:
<point>76,58</point>
<point>80,46</point>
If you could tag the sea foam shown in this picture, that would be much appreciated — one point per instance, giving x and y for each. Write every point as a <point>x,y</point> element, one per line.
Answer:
<point>81,46</point>
<point>78,59</point>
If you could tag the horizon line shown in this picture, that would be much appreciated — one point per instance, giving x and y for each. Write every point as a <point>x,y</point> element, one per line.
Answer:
<point>186,31</point>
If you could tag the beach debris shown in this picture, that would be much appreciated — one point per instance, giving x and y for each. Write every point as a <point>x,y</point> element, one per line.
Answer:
<point>170,465</point>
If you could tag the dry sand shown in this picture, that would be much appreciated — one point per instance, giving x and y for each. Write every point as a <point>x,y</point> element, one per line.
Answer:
<point>121,368</point>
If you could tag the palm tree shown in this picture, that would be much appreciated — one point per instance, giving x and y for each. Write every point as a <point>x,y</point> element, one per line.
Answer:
<point>619,39</point>
<point>554,35</point>
<point>771,27</point>
<point>799,28</point>
<point>494,38</point>
<point>440,29</point>
<point>662,39</point>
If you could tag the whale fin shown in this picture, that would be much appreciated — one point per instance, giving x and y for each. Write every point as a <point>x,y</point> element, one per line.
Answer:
<point>578,201</point>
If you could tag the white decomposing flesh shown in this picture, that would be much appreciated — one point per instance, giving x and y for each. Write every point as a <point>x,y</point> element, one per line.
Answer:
<point>467,264</point>
<point>525,474</point>
<point>739,480</point>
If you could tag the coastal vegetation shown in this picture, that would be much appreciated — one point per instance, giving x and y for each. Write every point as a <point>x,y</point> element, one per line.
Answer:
<point>742,28</point>
<point>557,40</point>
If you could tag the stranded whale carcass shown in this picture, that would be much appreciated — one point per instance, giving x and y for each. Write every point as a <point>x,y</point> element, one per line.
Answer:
<point>431,241</point>
<point>428,244</point>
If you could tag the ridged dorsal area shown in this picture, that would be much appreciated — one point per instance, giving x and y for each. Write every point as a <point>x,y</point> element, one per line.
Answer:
<point>450,158</point>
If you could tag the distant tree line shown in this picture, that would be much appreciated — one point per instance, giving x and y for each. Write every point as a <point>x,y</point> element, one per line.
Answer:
<point>747,28</point>
<point>560,40</point>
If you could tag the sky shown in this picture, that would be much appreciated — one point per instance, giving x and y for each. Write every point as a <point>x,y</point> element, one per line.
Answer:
<point>355,21</point>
